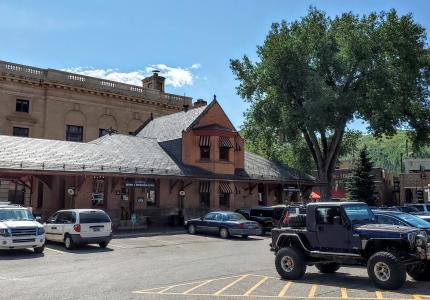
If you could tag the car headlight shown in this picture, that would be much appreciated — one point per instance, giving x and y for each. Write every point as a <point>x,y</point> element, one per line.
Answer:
<point>40,231</point>
<point>4,232</point>
<point>411,237</point>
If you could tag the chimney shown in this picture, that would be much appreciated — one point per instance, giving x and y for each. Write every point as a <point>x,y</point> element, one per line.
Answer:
<point>200,103</point>
<point>155,81</point>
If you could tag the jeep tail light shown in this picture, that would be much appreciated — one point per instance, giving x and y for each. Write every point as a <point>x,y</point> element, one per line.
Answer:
<point>77,227</point>
<point>286,218</point>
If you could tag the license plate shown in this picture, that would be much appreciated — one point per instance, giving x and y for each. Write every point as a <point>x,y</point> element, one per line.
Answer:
<point>96,229</point>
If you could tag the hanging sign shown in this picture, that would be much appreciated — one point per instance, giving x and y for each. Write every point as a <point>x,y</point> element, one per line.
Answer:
<point>140,183</point>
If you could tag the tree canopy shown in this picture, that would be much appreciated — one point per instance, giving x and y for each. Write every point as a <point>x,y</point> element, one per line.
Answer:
<point>317,74</point>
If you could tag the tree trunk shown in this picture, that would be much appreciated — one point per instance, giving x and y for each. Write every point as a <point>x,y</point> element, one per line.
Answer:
<point>325,188</point>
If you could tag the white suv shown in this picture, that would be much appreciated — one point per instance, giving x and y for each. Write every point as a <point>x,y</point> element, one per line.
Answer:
<point>79,226</point>
<point>19,229</point>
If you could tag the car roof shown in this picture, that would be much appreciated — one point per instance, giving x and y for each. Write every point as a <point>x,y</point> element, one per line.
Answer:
<point>333,203</point>
<point>78,210</point>
<point>224,212</point>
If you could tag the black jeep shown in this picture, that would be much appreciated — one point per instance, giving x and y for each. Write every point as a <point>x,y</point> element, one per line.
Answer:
<point>332,234</point>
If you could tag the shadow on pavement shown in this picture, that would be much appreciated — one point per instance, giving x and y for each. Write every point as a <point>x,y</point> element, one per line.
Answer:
<point>18,254</point>
<point>82,249</point>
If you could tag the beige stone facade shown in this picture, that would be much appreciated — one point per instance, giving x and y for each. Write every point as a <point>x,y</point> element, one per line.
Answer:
<point>57,99</point>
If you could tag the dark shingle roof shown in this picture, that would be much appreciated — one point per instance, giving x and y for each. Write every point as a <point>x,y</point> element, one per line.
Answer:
<point>170,127</point>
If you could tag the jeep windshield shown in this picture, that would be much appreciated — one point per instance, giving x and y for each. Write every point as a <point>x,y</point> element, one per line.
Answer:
<point>359,213</point>
<point>15,215</point>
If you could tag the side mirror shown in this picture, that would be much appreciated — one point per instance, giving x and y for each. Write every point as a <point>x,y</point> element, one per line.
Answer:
<point>39,219</point>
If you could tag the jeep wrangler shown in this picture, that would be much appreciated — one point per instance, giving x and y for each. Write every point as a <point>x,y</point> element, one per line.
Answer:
<point>332,234</point>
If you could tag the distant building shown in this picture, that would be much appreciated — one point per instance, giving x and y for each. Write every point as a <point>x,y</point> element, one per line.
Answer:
<point>415,182</point>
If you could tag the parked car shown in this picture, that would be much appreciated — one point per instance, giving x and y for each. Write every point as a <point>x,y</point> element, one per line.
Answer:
<point>224,223</point>
<point>75,227</point>
<point>263,215</point>
<point>19,229</point>
<point>422,207</point>
<point>410,210</point>
<point>333,234</point>
<point>401,219</point>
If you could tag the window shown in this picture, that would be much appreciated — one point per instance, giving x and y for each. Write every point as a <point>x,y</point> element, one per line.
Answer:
<point>103,131</point>
<point>205,152</point>
<point>93,217</point>
<point>150,198</point>
<point>205,199</point>
<point>224,200</point>
<point>210,216</point>
<point>20,131</point>
<point>22,105</point>
<point>359,213</point>
<point>223,153</point>
<point>66,217</point>
<point>74,133</point>
<point>326,215</point>
<point>97,197</point>
<point>389,220</point>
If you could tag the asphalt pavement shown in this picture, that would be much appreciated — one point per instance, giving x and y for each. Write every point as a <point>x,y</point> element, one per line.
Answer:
<point>178,266</point>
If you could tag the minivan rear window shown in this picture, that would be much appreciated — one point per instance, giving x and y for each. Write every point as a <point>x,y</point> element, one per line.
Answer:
<point>93,217</point>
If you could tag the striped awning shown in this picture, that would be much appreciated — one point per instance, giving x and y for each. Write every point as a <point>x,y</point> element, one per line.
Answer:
<point>205,141</point>
<point>225,188</point>
<point>225,142</point>
<point>204,187</point>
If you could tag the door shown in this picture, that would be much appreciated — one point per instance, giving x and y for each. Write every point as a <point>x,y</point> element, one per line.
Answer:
<point>54,227</point>
<point>207,223</point>
<point>332,231</point>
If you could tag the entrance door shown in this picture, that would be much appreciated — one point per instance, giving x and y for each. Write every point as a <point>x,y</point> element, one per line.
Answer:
<point>331,231</point>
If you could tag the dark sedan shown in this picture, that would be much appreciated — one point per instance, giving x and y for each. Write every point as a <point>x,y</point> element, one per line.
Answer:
<point>401,219</point>
<point>223,223</point>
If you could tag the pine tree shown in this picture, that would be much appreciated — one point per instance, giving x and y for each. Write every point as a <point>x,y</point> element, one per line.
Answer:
<point>361,186</point>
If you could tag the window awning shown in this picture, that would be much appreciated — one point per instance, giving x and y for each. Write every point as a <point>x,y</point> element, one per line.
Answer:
<point>225,188</point>
<point>205,141</point>
<point>204,187</point>
<point>225,142</point>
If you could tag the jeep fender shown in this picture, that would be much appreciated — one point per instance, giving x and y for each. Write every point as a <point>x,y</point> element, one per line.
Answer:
<point>374,245</point>
<point>290,239</point>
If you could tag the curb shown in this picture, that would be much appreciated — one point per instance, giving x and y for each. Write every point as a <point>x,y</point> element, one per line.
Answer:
<point>147,234</point>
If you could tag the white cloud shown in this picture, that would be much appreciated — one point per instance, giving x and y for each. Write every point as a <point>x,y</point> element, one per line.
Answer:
<point>175,76</point>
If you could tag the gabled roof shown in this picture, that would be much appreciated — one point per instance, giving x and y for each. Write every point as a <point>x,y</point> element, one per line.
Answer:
<point>170,127</point>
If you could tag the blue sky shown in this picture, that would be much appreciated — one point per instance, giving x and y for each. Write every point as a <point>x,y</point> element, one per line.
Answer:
<point>191,41</point>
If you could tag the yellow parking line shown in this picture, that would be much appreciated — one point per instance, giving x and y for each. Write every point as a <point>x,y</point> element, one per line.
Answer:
<point>313,291</point>
<point>166,289</point>
<point>344,293</point>
<point>197,286</point>
<point>285,289</point>
<point>379,295</point>
<point>256,286</point>
<point>230,285</point>
<point>54,250</point>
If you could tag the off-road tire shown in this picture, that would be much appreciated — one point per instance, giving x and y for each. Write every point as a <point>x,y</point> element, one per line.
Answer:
<point>298,221</point>
<point>103,244</point>
<point>223,233</point>
<point>327,268</point>
<point>191,229</point>
<point>297,269</point>
<point>245,236</point>
<point>420,272</point>
<point>39,250</point>
<point>395,274</point>
<point>69,245</point>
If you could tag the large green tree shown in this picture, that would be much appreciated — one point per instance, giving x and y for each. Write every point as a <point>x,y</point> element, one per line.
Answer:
<point>361,185</point>
<point>317,74</point>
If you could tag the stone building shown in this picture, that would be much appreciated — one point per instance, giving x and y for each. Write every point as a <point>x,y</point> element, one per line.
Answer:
<point>184,163</point>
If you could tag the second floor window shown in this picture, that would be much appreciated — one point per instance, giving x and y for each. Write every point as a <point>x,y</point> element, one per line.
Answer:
<point>224,148</point>
<point>22,105</point>
<point>20,131</point>
<point>205,149</point>
<point>74,133</point>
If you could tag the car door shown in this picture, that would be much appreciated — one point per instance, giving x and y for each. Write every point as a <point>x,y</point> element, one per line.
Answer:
<point>57,227</point>
<point>48,226</point>
<point>332,232</point>
<point>205,224</point>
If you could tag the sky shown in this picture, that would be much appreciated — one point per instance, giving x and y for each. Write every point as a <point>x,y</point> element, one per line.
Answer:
<point>189,41</point>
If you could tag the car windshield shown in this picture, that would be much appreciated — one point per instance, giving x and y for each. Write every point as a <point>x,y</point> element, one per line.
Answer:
<point>359,213</point>
<point>414,221</point>
<point>15,215</point>
<point>419,207</point>
<point>234,217</point>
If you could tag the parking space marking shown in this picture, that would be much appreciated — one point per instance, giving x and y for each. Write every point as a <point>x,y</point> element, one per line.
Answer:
<point>344,293</point>
<point>55,250</point>
<point>313,291</point>
<point>230,285</point>
<point>249,292</point>
<point>285,289</point>
<point>255,286</point>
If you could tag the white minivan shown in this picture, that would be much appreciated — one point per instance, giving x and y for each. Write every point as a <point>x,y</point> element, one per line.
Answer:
<point>75,227</point>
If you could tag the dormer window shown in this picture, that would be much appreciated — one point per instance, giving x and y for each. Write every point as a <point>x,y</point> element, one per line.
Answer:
<point>224,148</point>
<point>205,149</point>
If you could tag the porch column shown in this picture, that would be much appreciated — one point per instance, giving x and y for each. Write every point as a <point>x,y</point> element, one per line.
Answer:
<point>214,188</point>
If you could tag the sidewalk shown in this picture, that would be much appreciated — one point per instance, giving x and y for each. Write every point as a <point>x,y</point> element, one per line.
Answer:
<point>152,231</point>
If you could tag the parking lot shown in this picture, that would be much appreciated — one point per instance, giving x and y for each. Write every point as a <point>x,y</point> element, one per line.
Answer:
<point>177,267</point>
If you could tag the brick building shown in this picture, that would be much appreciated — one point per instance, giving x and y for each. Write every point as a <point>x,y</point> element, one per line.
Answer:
<point>414,184</point>
<point>185,163</point>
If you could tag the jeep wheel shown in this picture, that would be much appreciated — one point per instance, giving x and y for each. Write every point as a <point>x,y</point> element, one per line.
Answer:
<point>223,233</point>
<point>39,250</point>
<point>191,229</point>
<point>327,267</point>
<point>290,263</point>
<point>420,272</point>
<point>386,271</point>
<point>68,242</point>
